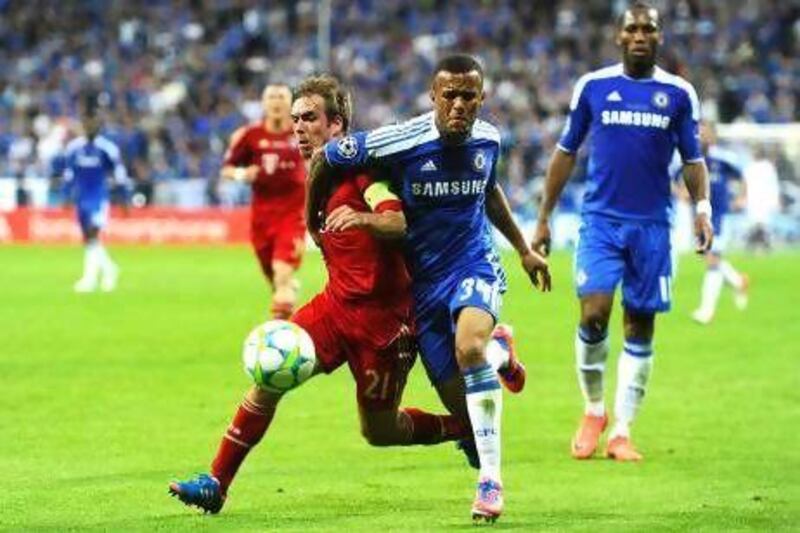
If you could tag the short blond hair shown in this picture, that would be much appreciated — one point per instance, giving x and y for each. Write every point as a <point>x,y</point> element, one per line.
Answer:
<point>338,102</point>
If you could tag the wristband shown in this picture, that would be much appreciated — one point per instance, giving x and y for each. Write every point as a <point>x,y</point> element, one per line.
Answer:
<point>703,207</point>
<point>239,174</point>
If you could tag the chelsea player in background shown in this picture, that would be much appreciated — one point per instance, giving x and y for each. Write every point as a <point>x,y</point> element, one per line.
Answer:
<point>637,115</point>
<point>89,161</point>
<point>723,168</point>
<point>443,165</point>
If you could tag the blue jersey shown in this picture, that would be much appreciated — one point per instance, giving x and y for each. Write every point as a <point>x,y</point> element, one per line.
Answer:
<point>723,167</point>
<point>635,126</point>
<point>88,164</point>
<point>443,189</point>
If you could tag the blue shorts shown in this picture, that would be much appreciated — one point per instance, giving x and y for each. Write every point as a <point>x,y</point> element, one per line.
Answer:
<point>635,253</point>
<point>437,305</point>
<point>92,216</point>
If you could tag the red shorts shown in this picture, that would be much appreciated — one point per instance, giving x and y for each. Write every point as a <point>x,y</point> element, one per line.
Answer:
<point>281,239</point>
<point>380,371</point>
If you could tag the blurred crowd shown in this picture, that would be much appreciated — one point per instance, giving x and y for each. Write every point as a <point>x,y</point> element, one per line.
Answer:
<point>174,78</point>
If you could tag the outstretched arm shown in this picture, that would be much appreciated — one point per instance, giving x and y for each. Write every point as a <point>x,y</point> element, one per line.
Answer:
<point>558,172</point>
<point>499,213</point>
<point>695,175</point>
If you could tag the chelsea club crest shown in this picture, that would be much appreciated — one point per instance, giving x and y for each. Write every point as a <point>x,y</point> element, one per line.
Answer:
<point>660,99</point>
<point>479,162</point>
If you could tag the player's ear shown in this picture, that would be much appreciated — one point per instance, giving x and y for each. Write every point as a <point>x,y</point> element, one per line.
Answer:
<point>337,126</point>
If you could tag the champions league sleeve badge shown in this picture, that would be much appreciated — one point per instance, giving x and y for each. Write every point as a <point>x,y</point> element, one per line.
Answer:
<point>347,147</point>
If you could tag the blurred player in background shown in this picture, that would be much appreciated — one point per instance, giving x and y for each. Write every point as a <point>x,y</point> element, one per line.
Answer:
<point>89,161</point>
<point>361,318</point>
<point>760,178</point>
<point>444,165</point>
<point>723,168</point>
<point>637,114</point>
<point>265,155</point>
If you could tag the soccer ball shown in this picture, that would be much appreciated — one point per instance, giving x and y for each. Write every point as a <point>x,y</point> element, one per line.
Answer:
<point>278,355</point>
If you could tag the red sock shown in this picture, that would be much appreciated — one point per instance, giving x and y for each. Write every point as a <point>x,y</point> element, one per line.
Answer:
<point>248,426</point>
<point>282,310</point>
<point>427,428</point>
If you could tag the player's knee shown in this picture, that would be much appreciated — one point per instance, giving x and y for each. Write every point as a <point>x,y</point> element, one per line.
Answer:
<point>470,351</point>
<point>639,325</point>
<point>596,322</point>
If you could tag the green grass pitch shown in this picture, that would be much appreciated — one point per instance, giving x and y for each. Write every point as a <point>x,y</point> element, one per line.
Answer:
<point>106,397</point>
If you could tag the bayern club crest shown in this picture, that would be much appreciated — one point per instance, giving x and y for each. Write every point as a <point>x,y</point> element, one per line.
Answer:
<point>660,99</point>
<point>347,147</point>
<point>479,162</point>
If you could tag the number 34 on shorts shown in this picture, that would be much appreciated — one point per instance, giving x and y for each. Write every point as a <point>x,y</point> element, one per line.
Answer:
<point>478,292</point>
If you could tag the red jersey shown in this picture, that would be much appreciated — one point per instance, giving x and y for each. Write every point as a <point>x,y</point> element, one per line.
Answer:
<point>366,274</point>
<point>279,188</point>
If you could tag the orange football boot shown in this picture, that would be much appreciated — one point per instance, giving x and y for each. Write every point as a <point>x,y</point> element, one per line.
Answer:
<point>587,438</point>
<point>621,449</point>
<point>513,375</point>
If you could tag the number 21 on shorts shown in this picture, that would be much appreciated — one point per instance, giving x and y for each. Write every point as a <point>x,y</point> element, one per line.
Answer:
<point>478,291</point>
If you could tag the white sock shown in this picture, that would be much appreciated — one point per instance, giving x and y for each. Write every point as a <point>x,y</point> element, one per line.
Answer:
<point>106,264</point>
<point>633,371</point>
<point>590,363</point>
<point>730,274</point>
<point>496,354</point>
<point>485,406</point>
<point>91,261</point>
<point>712,286</point>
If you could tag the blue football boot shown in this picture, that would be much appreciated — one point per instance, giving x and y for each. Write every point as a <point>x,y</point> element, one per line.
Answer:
<point>203,492</point>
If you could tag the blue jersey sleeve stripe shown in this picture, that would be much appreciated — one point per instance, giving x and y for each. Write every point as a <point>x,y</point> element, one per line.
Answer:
<point>109,148</point>
<point>373,143</point>
<point>677,81</point>
<point>608,72</point>
<point>426,136</point>
<point>564,148</point>
<point>402,129</point>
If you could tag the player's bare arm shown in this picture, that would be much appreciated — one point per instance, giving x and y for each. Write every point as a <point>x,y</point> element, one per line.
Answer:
<point>246,174</point>
<point>499,213</point>
<point>695,175</point>
<point>558,172</point>
<point>390,224</point>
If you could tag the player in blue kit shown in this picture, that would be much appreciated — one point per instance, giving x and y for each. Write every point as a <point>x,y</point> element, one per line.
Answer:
<point>636,115</point>
<point>443,167</point>
<point>723,169</point>
<point>89,161</point>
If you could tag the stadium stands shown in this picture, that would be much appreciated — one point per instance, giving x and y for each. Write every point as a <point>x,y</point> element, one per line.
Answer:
<point>177,77</point>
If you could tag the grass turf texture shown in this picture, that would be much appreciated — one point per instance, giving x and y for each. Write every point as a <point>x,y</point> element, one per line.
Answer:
<point>106,397</point>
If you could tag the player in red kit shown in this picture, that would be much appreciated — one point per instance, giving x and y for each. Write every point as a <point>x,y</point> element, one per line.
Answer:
<point>361,318</point>
<point>265,155</point>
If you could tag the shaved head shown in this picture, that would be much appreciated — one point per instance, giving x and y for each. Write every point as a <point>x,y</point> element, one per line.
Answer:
<point>276,101</point>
